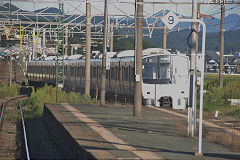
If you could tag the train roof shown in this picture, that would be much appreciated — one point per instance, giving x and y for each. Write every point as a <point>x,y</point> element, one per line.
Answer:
<point>77,56</point>
<point>151,51</point>
<point>122,54</point>
<point>145,52</point>
<point>127,55</point>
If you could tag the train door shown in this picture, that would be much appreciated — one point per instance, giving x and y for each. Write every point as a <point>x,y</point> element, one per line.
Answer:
<point>77,77</point>
<point>122,79</point>
<point>94,77</point>
<point>126,79</point>
<point>81,76</point>
<point>131,78</point>
<point>112,80</point>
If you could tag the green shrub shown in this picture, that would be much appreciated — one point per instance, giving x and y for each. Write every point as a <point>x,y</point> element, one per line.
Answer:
<point>47,94</point>
<point>7,91</point>
<point>217,98</point>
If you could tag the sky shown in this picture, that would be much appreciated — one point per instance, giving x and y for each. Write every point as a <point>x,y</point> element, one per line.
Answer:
<point>128,8</point>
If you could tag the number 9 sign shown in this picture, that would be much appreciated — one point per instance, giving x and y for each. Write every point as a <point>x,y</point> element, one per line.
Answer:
<point>170,20</point>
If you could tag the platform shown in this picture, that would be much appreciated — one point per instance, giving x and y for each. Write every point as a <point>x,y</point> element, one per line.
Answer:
<point>93,132</point>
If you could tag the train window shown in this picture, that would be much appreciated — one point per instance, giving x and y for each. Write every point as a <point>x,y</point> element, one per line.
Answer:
<point>107,74</point>
<point>126,75</point>
<point>117,73</point>
<point>122,73</point>
<point>72,71</point>
<point>94,72</point>
<point>99,72</point>
<point>112,74</point>
<point>83,72</point>
<point>78,71</point>
<point>65,69</point>
<point>132,74</point>
<point>157,70</point>
<point>38,68</point>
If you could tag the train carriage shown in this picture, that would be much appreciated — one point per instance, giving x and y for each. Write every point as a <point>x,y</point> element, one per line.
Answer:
<point>165,79</point>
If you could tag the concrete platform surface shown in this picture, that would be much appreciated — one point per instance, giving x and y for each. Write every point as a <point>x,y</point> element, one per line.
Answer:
<point>113,133</point>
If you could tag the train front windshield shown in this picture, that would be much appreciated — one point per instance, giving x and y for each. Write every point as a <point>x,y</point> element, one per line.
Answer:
<point>156,69</point>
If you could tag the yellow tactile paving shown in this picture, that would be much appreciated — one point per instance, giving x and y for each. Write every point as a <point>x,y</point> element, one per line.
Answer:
<point>100,154</point>
<point>147,155</point>
<point>110,137</point>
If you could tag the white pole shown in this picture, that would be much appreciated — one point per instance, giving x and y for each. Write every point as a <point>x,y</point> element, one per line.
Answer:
<point>201,83</point>
<point>201,90</point>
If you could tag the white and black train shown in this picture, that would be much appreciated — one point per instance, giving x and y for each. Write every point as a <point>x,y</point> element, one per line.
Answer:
<point>165,76</point>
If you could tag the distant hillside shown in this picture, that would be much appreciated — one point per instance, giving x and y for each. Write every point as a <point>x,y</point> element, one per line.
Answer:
<point>231,21</point>
<point>178,40</point>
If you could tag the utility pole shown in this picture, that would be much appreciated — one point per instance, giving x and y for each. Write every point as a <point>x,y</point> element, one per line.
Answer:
<point>34,46</point>
<point>192,104</point>
<point>44,41</point>
<point>66,40</point>
<point>10,69</point>
<point>198,17</point>
<point>88,48</point>
<point>111,37</point>
<point>221,44</point>
<point>164,43</point>
<point>103,85</point>
<point>72,50</point>
<point>137,110</point>
<point>60,50</point>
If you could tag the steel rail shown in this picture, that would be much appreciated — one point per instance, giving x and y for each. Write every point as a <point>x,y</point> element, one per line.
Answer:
<point>3,107</point>
<point>24,131</point>
<point>2,112</point>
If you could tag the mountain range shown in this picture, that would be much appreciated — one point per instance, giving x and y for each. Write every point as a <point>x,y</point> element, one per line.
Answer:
<point>176,39</point>
<point>232,21</point>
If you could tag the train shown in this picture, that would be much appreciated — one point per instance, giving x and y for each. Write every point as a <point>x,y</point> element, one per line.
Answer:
<point>165,76</point>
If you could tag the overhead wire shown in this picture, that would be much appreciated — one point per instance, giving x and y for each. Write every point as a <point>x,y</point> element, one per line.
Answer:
<point>225,10</point>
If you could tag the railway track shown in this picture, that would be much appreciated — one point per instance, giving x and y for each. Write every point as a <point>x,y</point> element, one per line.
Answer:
<point>10,145</point>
